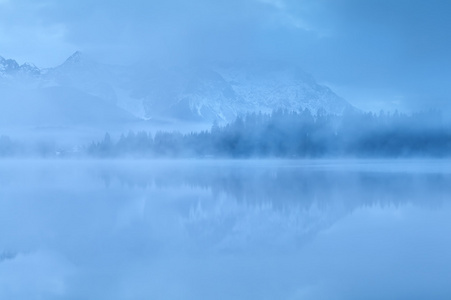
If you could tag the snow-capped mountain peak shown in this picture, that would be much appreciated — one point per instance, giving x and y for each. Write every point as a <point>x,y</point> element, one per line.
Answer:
<point>30,69</point>
<point>78,61</point>
<point>10,68</point>
<point>75,58</point>
<point>8,65</point>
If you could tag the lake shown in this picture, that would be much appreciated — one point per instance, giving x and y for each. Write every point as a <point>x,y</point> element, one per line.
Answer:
<point>282,229</point>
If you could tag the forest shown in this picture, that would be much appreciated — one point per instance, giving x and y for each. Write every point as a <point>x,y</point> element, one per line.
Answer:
<point>285,134</point>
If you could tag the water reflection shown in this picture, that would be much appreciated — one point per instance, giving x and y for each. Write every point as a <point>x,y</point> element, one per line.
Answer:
<point>224,230</point>
<point>285,183</point>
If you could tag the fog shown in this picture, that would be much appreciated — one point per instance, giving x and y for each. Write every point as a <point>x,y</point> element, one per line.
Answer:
<point>225,230</point>
<point>231,149</point>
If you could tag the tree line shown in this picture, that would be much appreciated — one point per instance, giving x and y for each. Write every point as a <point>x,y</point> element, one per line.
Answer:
<point>287,134</point>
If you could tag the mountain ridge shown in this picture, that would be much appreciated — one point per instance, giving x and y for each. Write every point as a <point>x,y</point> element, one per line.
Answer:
<point>193,93</point>
<point>10,67</point>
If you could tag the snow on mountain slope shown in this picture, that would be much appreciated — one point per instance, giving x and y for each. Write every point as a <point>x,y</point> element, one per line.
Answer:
<point>265,88</point>
<point>204,94</point>
<point>223,93</point>
<point>82,73</point>
<point>194,94</point>
<point>10,68</point>
<point>13,74</point>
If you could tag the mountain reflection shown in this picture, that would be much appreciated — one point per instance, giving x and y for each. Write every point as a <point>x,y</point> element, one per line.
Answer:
<point>241,205</point>
<point>244,229</point>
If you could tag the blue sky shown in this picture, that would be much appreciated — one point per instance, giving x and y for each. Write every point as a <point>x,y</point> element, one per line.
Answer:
<point>375,53</point>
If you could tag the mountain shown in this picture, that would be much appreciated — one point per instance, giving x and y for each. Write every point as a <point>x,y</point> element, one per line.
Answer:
<point>9,68</point>
<point>266,87</point>
<point>222,93</point>
<point>34,98</point>
<point>189,93</point>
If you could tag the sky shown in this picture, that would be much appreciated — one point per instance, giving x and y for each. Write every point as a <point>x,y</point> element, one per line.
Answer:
<point>377,54</point>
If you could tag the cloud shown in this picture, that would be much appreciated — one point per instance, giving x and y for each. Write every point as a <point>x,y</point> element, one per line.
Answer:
<point>165,30</point>
<point>27,37</point>
<point>398,46</point>
<point>176,30</point>
<point>402,45</point>
<point>46,41</point>
<point>280,4</point>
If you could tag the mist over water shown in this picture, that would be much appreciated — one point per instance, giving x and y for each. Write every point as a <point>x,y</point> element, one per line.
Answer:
<point>276,229</point>
<point>230,149</point>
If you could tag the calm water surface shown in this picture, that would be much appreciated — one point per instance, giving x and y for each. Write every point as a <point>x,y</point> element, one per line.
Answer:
<point>225,230</point>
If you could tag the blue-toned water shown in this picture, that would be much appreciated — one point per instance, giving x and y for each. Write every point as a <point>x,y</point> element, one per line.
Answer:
<point>225,230</point>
